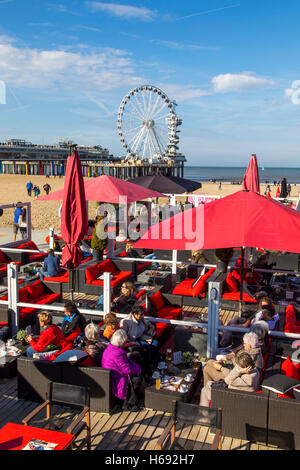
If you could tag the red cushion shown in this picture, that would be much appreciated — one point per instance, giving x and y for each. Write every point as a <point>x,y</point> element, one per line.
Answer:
<point>108,266</point>
<point>158,300</point>
<point>37,257</point>
<point>140,294</point>
<point>35,290</point>
<point>88,362</point>
<point>290,312</point>
<point>290,369</point>
<point>185,287</point>
<point>2,257</point>
<point>28,246</point>
<point>231,284</point>
<point>70,339</point>
<point>92,273</point>
<point>23,295</point>
<point>63,278</point>
<point>170,313</point>
<point>116,279</point>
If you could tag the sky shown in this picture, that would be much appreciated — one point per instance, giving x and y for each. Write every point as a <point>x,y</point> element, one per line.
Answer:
<point>232,66</point>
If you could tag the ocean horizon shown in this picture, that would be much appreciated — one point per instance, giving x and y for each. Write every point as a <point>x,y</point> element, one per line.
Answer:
<point>236,173</point>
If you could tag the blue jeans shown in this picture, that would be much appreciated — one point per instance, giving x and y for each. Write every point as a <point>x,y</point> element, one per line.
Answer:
<point>30,351</point>
<point>152,256</point>
<point>4,333</point>
<point>151,350</point>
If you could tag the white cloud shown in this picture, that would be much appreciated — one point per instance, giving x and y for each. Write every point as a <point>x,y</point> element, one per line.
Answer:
<point>244,81</point>
<point>104,68</point>
<point>294,93</point>
<point>183,47</point>
<point>127,12</point>
<point>182,93</point>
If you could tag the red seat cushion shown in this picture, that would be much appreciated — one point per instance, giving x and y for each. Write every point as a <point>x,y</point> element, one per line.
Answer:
<point>94,271</point>
<point>158,300</point>
<point>185,287</point>
<point>2,258</point>
<point>35,290</point>
<point>230,283</point>
<point>116,279</point>
<point>62,278</point>
<point>140,294</point>
<point>169,312</point>
<point>290,369</point>
<point>28,246</point>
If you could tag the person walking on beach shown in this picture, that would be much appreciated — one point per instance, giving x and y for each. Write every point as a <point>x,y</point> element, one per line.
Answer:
<point>17,213</point>
<point>23,223</point>
<point>29,187</point>
<point>220,186</point>
<point>37,191</point>
<point>47,188</point>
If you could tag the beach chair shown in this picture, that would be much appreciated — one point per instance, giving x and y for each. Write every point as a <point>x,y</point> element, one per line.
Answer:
<point>72,396</point>
<point>189,414</point>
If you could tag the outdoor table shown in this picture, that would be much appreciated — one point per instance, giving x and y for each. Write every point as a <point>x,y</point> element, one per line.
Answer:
<point>16,436</point>
<point>158,278</point>
<point>162,399</point>
<point>8,364</point>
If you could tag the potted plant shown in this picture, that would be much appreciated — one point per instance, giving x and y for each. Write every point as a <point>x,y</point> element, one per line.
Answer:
<point>99,243</point>
<point>187,358</point>
<point>21,335</point>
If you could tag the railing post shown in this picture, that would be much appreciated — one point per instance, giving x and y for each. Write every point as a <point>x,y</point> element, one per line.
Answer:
<point>214,295</point>
<point>174,267</point>
<point>12,283</point>
<point>106,293</point>
<point>51,238</point>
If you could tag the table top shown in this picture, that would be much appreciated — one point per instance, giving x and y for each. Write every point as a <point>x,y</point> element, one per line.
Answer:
<point>16,436</point>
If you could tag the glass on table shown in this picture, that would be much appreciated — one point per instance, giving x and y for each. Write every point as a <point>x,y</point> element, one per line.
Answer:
<point>169,354</point>
<point>157,384</point>
<point>196,360</point>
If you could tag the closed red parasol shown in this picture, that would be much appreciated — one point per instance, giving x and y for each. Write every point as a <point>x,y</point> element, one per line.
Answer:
<point>244,219</point>
<point>251,177</point>
<point>74,219</point>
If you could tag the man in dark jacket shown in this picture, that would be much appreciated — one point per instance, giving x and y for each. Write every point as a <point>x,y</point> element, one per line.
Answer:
<point>73,320</point>
<point>51,266</point>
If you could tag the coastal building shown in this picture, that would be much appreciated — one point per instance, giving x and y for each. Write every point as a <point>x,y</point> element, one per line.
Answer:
<point>25,158</point>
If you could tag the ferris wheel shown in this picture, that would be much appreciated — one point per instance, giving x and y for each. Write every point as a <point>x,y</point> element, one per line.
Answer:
<point>146,121</point>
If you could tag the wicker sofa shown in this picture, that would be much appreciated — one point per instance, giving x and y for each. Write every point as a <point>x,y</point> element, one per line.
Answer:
<point>33,377</point>
<point>265,416</point>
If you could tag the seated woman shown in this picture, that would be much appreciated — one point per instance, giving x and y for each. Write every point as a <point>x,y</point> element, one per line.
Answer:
<point>266,312</point>
<point>141,332</point>
<point>93,344</point>
<point>73,320</point>
<point>244,377</point>
<point>126,300</point>
<point>51,336</point>
<point>125,373</point>
<point>261,328</point>
<point>217,370</point>
<point>111,325</point>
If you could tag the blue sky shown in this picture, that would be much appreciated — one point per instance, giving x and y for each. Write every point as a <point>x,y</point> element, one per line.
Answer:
<point>231,65</point>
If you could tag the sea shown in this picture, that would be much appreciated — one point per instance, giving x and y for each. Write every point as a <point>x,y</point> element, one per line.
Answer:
<point>236,174</point>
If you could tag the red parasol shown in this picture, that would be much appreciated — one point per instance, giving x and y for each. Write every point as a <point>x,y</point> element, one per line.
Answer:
<point>74,219</point>
<point>251,177</point>
<point>109,189</point>
<point>244,219</point>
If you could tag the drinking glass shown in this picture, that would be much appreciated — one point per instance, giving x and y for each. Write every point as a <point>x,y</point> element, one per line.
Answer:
<point>169,354</point>
<point>157,384</point>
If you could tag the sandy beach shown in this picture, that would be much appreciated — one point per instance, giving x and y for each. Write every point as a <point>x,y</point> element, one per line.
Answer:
<point>45,213</point>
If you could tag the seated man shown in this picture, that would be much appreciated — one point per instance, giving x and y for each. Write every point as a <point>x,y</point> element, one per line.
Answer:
<point>51,267</point>
<point>244,377</point>
<point>51,336</point>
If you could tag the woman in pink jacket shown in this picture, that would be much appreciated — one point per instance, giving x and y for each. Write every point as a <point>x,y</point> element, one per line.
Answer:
<point>125,374</point>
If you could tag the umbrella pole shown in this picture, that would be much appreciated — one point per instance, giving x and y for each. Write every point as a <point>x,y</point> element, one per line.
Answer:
<point>242,282</point>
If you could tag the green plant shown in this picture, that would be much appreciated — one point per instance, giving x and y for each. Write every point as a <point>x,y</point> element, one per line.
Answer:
<point>98,243</point>
<point>187,358</point>
<point>21,335</point>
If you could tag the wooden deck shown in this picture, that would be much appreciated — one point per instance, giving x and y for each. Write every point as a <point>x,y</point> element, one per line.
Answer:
<point>119,431</point>
<point>124,430</point>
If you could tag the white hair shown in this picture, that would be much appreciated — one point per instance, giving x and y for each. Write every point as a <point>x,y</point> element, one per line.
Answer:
<point>92,331</point>
<point>119,338</point>
<point>251,339</point>
<point>261,328</point>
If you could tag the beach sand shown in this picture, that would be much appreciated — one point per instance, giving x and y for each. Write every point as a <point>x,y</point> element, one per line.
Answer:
<point>45,213</point>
